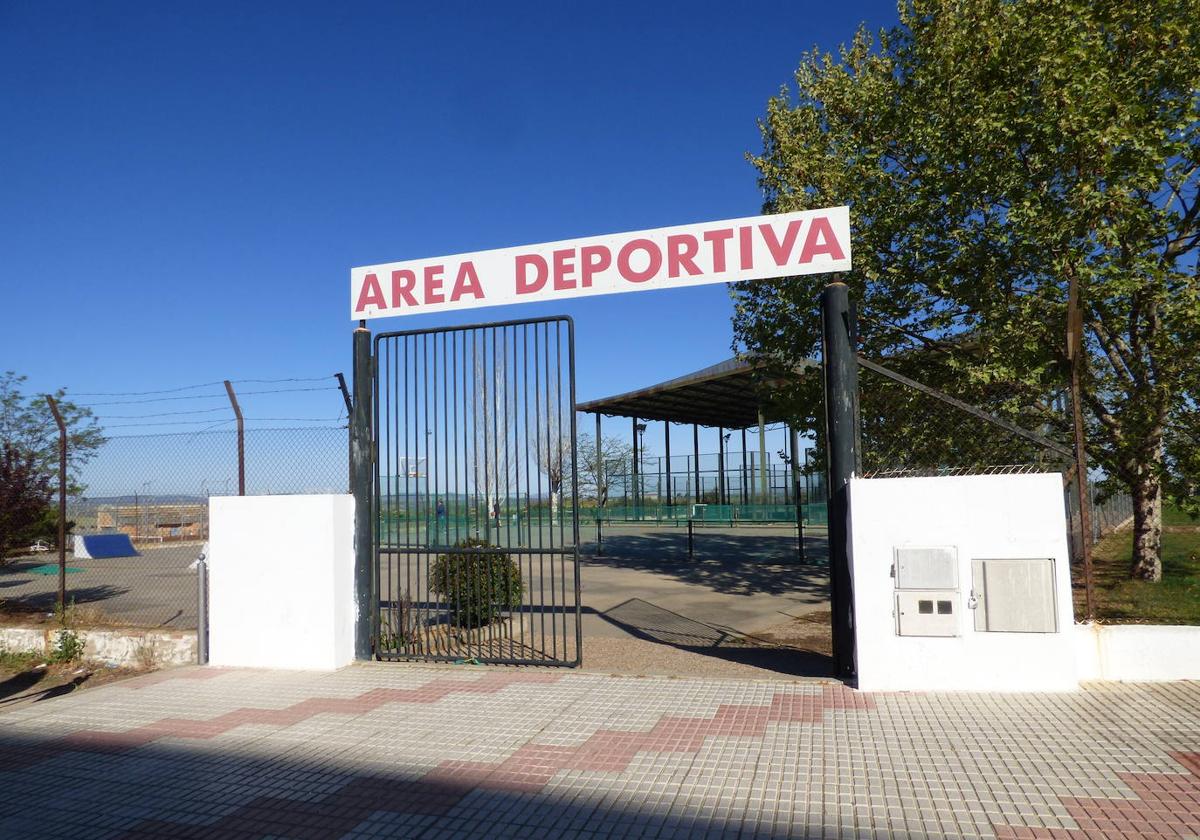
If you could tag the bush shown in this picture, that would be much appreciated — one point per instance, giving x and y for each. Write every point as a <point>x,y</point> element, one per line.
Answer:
<point>478,587</point>
<point>68,646</point>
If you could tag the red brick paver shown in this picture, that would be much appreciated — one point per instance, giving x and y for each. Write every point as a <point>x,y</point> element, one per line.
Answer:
<point>400,751</point>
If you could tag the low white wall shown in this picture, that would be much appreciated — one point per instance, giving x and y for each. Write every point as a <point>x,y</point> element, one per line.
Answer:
<point>132,647</point>
<point>281,581</point>
<point>985,517</point>
<point>1137,652</point>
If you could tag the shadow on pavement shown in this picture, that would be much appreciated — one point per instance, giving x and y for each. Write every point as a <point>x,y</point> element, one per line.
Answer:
<point>742,563</point>
<point>169,790</point>
<point>649,622</point>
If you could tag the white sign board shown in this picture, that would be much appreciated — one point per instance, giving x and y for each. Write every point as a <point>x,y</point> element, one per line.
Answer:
<point>754,248</point>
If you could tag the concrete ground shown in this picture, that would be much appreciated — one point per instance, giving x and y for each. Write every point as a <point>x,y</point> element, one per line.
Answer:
<point>156,589</point>
<point>730,609</point>
<point>421,752</point>
<point>739,606</point>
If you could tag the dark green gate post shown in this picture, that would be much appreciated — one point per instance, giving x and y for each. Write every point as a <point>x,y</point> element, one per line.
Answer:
<point>361,472</point>
<point>841,401</point>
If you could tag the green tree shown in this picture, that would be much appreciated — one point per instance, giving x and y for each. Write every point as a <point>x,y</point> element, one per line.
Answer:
<point>24,497</point>
<point>27,425</point>
<point>991,151</point>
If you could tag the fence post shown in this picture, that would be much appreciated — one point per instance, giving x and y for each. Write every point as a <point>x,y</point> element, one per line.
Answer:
<point>241,437</point>
<point>202,609</point>
<point>841,398</point>
<point>62,504</point>
<point>1075,355</point>
<point>361,465</point>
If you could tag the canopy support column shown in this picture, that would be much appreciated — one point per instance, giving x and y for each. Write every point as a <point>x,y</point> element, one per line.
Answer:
<point>667,469</point>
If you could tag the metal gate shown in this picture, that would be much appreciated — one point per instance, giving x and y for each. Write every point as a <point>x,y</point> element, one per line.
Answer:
<point>476,491</point>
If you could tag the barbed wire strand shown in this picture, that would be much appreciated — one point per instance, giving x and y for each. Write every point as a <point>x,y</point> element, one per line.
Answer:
<point>201,385</point>
<point>211,396</point>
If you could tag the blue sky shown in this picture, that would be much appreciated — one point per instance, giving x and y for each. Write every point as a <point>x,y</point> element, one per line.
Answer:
<point>185,186</point>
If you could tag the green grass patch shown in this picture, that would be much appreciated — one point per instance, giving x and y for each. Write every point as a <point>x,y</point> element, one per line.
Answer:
<point>1174,516</point>
<point>20,660</point>
<point>1175,600</point>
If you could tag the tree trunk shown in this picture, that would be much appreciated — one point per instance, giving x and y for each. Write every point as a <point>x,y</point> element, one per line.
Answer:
<point>1147,525</point>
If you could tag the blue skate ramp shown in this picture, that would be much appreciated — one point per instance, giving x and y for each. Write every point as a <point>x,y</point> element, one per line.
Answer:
<point>102,546</point>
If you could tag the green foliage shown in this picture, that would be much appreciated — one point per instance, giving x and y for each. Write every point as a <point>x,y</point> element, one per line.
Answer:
<point>19,660</point>
<point>478,586</point>
<point>68,646</point>
<point>24,498</point>
<point>991,151</point>
<point>27,424</point>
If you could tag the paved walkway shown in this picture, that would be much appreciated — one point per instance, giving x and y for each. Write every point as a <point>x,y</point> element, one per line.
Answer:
<point>407,751</point>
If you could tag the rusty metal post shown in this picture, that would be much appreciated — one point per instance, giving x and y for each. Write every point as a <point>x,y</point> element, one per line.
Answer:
<point>349,419</point>
<point>1075,358</point>
<point>241,437</point>
<point>62,504</point>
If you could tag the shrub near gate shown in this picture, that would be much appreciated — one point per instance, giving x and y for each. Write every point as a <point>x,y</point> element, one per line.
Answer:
<point>477,586</point>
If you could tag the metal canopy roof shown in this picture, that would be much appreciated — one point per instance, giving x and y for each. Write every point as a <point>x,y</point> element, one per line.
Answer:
<point>726,394</point>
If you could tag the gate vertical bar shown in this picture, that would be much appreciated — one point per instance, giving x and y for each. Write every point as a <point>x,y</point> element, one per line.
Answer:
<point>841,397</point>
<point>361,458</point>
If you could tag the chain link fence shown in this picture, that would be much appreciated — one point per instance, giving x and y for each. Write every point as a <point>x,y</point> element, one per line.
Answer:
<point>148,496</point>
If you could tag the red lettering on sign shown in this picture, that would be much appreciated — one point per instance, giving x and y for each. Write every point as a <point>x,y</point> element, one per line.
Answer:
<point>626,269</point>
<point>718,238</point>
<point>524,285</point>
<point>746,247</point>
<point>681,254</point>
<point>370,293</point>
<point>564,267</point>
<point>403,282</point>
<point>595,258</point>
<point>780,250</point>
<point>828,243</point>
<point>466,282</point>
<point>433,284</point>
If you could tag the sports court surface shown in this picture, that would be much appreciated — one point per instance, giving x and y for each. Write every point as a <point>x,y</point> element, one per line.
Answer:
<point>738,606</point>
<point>416,751</point>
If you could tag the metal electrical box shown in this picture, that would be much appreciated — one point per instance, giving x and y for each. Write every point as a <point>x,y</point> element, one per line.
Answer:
<point>1014,595</point>
<point>927,594</point>
<point>926,568</point>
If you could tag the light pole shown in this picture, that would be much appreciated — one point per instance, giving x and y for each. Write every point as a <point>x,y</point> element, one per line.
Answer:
<point>640,428</point>
<point>138,527</point>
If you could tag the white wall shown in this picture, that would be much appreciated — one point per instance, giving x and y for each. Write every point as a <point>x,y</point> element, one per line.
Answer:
<point>983,517</point>
<point>1137,652</point>
<point>281,581</point>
